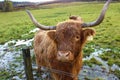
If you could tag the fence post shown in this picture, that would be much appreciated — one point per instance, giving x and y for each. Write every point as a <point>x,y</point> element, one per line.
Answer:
<point>27,63</point>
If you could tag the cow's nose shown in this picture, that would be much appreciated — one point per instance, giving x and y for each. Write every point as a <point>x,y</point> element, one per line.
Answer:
<point>65,56</point>
<point>64,53</point>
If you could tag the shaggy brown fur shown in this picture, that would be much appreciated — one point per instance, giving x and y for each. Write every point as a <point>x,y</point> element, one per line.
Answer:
<point>69,36</point>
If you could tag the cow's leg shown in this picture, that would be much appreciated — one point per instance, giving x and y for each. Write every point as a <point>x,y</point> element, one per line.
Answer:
<point>39,69</point>
<point>76,78</point>
<point>39,62</point>
<point>55,76</point>
<point>38,65</point>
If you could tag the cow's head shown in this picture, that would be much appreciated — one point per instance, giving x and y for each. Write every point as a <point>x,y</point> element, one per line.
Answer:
<point>71,35</point>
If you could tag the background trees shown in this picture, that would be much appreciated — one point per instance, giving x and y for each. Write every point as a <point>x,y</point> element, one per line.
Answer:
<point>7,6</point>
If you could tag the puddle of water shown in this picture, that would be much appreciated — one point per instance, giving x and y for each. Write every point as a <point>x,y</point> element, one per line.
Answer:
<point>94,73</point>
<point>8,55</point>
<point>104,63</point>
<point>115,67</point>
<point>96,54</point>
<point>9,52</point>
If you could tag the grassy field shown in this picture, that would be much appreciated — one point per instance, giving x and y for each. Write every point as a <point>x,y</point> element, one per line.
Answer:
<point>14,25</point>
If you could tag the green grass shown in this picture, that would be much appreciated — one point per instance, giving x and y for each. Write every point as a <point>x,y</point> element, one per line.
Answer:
<point>14,24</point>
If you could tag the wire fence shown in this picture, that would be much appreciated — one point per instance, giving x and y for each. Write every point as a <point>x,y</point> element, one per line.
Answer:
<point>91,73</point>
<point>84,71</point>
<point>84,76</point>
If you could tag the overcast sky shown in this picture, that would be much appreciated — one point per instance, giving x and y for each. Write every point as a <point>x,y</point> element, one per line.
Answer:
<point>30,0</point>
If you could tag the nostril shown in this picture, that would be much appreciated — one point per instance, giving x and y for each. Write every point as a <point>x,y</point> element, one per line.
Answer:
<point>67,54</point>
<point>64,54</point>
<point>59,53</point>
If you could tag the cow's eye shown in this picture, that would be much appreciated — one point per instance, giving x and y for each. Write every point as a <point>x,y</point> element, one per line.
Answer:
<point>77,37</point>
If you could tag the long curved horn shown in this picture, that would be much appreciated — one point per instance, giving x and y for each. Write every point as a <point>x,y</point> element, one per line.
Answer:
<point>35,22</point>
<point>100,18</point>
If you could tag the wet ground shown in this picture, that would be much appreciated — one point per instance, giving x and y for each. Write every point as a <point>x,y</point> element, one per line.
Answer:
<point>11,62</point>
<point>12,65</point>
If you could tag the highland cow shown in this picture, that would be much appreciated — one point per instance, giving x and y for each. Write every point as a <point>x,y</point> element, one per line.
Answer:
<point>60,47</point>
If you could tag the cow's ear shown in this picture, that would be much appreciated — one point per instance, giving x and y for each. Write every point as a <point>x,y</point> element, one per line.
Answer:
<point>88,34</point>
<point>51,34</point>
